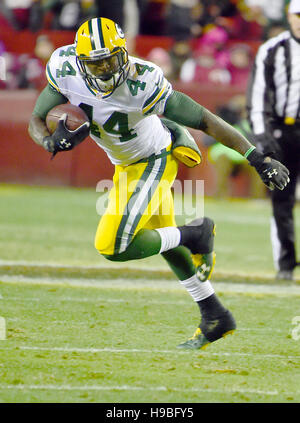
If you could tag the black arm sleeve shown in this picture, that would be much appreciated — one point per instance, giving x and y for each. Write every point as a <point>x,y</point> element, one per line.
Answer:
<point>185,111</point>
<point>48,99</point>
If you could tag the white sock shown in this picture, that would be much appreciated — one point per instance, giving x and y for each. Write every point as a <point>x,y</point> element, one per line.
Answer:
<point>197,289</point>
<point>170,238</point>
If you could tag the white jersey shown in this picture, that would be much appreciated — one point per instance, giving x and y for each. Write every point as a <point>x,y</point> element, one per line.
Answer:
<point>125,124</point>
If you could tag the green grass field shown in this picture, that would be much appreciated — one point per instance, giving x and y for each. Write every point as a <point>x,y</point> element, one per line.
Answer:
<point>82,329</point>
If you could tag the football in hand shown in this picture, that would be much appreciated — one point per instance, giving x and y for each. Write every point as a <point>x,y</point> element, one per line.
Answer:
<point>75,117</point>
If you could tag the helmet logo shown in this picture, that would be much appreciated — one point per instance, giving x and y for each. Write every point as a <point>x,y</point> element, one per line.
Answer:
<point>119,31</point>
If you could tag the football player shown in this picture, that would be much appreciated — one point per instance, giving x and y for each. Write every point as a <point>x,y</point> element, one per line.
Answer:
<point>123,96</point>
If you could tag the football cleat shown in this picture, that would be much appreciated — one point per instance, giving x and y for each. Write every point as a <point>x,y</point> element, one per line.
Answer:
<point>196,342</point>
<point>210,331</point>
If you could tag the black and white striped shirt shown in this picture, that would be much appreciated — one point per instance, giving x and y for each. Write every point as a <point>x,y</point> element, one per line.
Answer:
<point>274,90</point>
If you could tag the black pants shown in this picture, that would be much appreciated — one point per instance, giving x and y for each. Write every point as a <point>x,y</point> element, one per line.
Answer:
<point>283,225</point>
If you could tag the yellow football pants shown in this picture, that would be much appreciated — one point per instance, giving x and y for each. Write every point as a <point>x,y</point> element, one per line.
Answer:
<point>141,197</point>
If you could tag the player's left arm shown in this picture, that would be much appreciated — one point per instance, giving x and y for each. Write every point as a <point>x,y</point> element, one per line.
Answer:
<point>50,97</point>
<point>47,99</point>
<point>38,130</point>
<point>185,111</point>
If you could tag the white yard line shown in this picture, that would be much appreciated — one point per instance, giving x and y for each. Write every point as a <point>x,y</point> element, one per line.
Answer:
<point>158,284</point>
<point>123,284</point>
<point>154,351</point>
<point>103,265</point>
<point>99,300</point>
<point>139,388</point>
<point>110,265</point>
<point>166,326</point>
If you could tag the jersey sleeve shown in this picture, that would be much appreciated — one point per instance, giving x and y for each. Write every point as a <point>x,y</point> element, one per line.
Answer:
<point>156,96</point>
<point>60,66</point>
<point>51,67</point>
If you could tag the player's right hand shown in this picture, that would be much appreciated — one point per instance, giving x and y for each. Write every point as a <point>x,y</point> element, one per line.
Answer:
<point>63,139</point>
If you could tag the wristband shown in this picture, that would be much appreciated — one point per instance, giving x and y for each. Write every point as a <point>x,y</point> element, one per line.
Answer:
<point>249,151</point>
<point>255,158</point>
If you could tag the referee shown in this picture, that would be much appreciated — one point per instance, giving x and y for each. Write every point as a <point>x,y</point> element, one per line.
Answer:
<point>274,113</point>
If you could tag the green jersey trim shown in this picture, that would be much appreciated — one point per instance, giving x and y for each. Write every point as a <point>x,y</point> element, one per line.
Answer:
<point>155,98</point>
<point>50,78</point>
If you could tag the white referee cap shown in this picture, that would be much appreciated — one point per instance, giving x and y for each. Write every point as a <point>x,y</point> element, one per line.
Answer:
<point>294,6</point>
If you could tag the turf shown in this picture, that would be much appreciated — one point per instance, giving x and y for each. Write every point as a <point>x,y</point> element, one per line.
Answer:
<point>79,329</point>
<point>101,344</point>
<point>57,226</point>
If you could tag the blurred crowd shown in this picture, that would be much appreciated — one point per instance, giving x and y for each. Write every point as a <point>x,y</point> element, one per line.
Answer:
<point>212,42</point>
<point>211,38</point>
